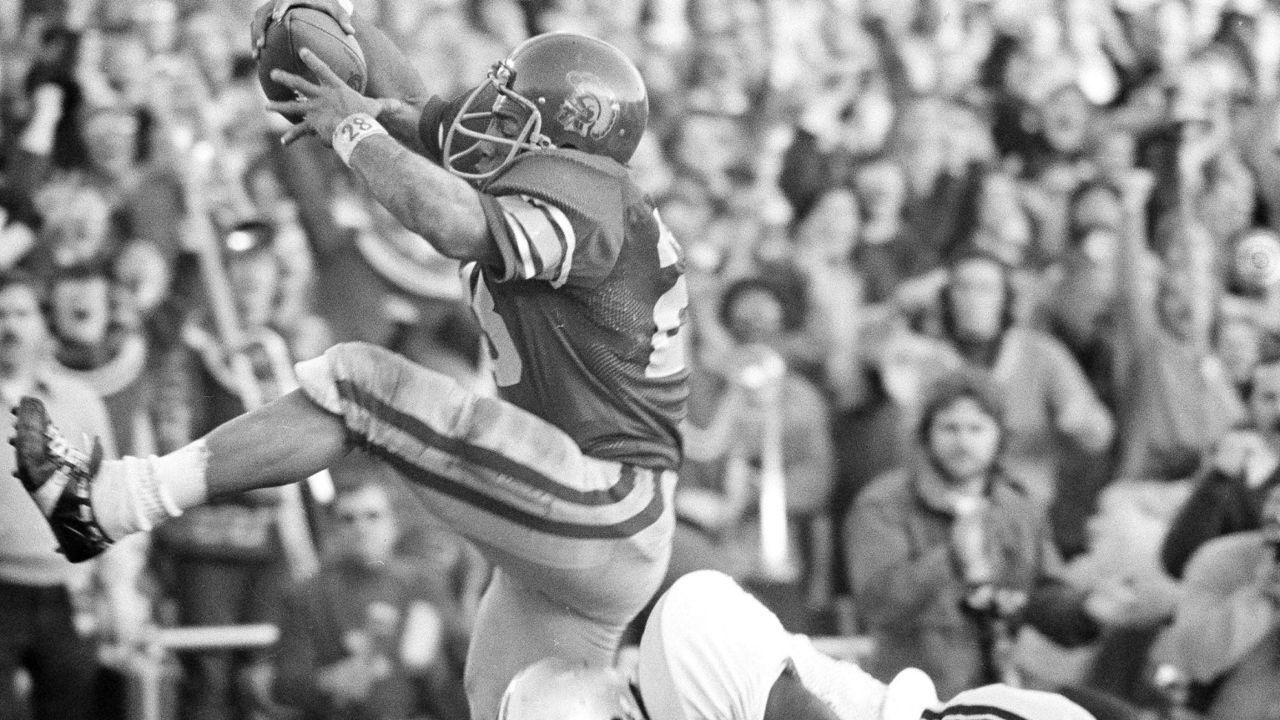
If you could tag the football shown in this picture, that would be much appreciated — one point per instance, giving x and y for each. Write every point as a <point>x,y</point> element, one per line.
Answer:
<point>304,27</point>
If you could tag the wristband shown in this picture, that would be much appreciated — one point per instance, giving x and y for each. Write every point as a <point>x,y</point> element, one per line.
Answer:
<point>351,131</point>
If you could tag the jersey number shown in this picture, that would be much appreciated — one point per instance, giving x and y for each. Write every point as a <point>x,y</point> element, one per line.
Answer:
<point>666,356</point>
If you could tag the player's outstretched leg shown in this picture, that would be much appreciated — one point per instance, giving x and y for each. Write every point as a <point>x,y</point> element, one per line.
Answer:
<point>580,544</point>
<point>90,503</point>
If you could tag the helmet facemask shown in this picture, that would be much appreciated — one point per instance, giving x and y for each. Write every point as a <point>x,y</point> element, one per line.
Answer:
<point>508,106</point>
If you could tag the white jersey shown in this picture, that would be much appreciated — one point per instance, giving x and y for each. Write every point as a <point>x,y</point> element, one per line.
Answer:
<point>711,651</point>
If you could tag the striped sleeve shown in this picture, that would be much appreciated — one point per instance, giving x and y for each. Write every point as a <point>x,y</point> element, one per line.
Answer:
<point>542,239</point>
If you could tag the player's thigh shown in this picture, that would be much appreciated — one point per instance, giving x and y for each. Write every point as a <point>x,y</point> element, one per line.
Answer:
<point>621,580</point>
<point>517,625</point>
<point>407,414</point>
<point>576,527</point>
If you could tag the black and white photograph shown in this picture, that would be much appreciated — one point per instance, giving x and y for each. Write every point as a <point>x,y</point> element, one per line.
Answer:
<point>640,359</point>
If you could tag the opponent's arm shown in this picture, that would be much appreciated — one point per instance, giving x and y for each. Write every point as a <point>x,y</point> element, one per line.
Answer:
<point>424,197</point>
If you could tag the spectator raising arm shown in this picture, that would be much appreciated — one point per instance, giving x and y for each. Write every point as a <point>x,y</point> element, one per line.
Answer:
<point>1077,411</point>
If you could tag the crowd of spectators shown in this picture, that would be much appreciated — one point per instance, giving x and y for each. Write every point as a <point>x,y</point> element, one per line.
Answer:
<point>906,223</point>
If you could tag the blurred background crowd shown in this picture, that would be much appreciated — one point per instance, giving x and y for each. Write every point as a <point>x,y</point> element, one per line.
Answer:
<point>985,341</point>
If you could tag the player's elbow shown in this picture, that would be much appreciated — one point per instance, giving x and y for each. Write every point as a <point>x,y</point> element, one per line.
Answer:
<point>466,244</point>
<point>454,227</point>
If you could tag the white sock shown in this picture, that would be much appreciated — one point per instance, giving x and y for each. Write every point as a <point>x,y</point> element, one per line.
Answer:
<point>181,477</point>
<point>134,494</point>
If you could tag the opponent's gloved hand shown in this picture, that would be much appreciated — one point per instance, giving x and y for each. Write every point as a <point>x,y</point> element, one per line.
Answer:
<point>273,10</point>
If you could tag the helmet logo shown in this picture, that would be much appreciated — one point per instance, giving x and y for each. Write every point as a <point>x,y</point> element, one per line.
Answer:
<point>591,109</point>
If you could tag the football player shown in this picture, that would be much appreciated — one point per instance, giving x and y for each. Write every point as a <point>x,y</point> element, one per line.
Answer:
<point>565,482</point>
<point>711,651</point>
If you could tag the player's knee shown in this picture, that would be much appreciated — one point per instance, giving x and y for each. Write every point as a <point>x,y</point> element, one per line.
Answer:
<point>347,367</point>
<point>317,381</point>
<point>356,358</point>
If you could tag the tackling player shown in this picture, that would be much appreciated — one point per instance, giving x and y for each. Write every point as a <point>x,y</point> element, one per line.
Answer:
<point>566,482</point>
<point>711,651</point>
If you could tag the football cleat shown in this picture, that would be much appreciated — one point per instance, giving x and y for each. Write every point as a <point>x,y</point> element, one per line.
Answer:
<point>58,477</point>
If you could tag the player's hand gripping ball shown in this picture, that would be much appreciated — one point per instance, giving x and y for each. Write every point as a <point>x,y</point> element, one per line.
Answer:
<point>303,27</point>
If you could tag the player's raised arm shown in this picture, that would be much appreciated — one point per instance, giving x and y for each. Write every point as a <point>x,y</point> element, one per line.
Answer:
<point>390,76</point>
<point>423,196</point>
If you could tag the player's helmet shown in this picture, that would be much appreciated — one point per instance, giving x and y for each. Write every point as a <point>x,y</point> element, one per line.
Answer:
<point>564,90</point>
<point>556,689</point>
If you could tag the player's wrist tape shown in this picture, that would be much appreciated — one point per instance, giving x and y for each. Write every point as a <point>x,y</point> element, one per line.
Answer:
<point>351,131</point>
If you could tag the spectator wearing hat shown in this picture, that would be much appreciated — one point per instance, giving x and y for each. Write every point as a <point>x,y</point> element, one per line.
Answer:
<point>948,554</point>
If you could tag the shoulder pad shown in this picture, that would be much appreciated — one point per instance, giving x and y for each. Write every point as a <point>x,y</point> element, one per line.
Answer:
<point>590,186</point>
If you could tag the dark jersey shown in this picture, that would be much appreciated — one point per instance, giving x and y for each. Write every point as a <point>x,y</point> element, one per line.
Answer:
<point>584,314</point>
